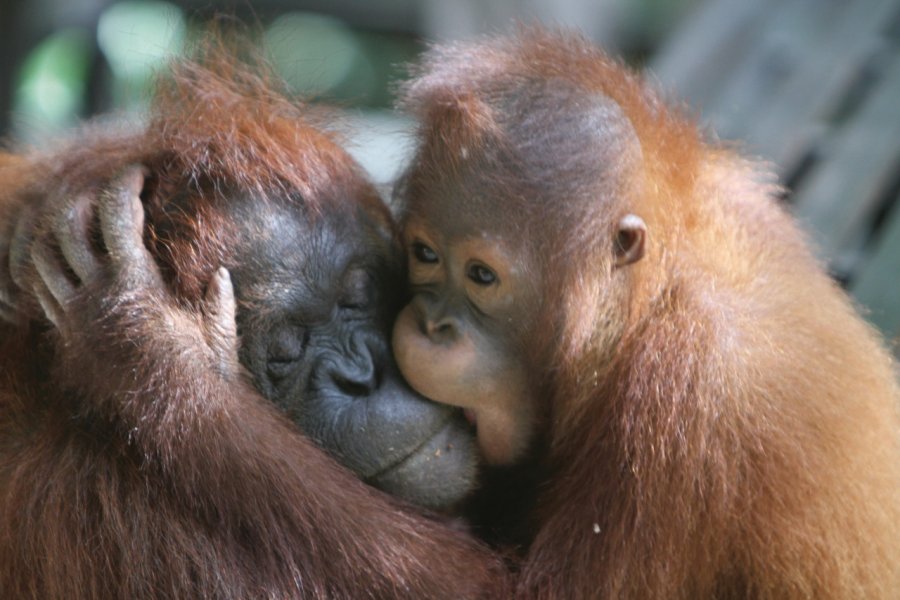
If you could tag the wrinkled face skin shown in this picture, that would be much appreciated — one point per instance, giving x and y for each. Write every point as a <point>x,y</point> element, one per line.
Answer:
<point>462,338</point>
<point>316,299</point>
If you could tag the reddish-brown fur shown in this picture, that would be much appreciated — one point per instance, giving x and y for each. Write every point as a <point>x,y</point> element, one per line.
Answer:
<point>721,422</point>
<point>128,469</point>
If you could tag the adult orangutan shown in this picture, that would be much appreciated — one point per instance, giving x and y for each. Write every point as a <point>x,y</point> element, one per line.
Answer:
<point>153,371</point>
<point>630,318</point>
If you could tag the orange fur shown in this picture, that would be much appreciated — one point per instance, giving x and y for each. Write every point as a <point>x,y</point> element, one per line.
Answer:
<point>721,422</point>
<point>130,470</point>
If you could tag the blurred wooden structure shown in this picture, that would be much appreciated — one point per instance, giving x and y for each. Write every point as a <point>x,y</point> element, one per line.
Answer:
<point>814,87</point>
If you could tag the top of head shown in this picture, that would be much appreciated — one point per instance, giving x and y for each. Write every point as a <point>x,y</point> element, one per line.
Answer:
<point>551,119</point>
<point>220,125</point>
<point>217,118</point>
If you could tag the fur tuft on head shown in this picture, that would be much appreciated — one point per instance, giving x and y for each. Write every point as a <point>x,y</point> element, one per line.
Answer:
<point>234,121</point>
<point>220,123</point>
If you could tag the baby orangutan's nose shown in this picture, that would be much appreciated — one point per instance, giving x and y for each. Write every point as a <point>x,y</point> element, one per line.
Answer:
<point>441,330</point>
<point>436,320</point>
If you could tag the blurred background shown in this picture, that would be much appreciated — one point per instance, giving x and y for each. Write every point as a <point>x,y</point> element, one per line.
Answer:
<point>63,60</point>
<point>813,86</point>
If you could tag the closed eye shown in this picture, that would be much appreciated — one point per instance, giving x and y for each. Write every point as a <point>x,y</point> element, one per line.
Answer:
<point>286,349</point>
<point>279,368</point>
<point>356,292</point>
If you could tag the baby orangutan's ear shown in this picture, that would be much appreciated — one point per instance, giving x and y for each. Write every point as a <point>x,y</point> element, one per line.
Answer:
<point>630,238</point>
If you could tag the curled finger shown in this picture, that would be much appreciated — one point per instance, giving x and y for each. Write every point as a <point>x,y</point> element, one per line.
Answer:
<point>52,309</point>
<point>19,245</point>
<point>72,229</point>
<point>122,221</point>
<point>222,324</point>
<point>51,272</point>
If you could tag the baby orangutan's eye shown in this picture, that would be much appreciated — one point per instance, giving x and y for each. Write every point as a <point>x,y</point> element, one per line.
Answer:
<point>481,275</point>
<point>424,254</point>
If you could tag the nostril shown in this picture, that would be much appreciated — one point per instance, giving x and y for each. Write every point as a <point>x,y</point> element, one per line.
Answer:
<point>441,330</point>
<point>352,388</point>
<point>354,381</point>
<point>356,371</point>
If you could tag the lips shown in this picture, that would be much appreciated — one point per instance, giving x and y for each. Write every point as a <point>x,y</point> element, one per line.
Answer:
<point>439,473</point>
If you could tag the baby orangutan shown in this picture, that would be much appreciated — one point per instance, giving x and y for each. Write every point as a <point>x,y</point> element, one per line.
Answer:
<point>625,306</point>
